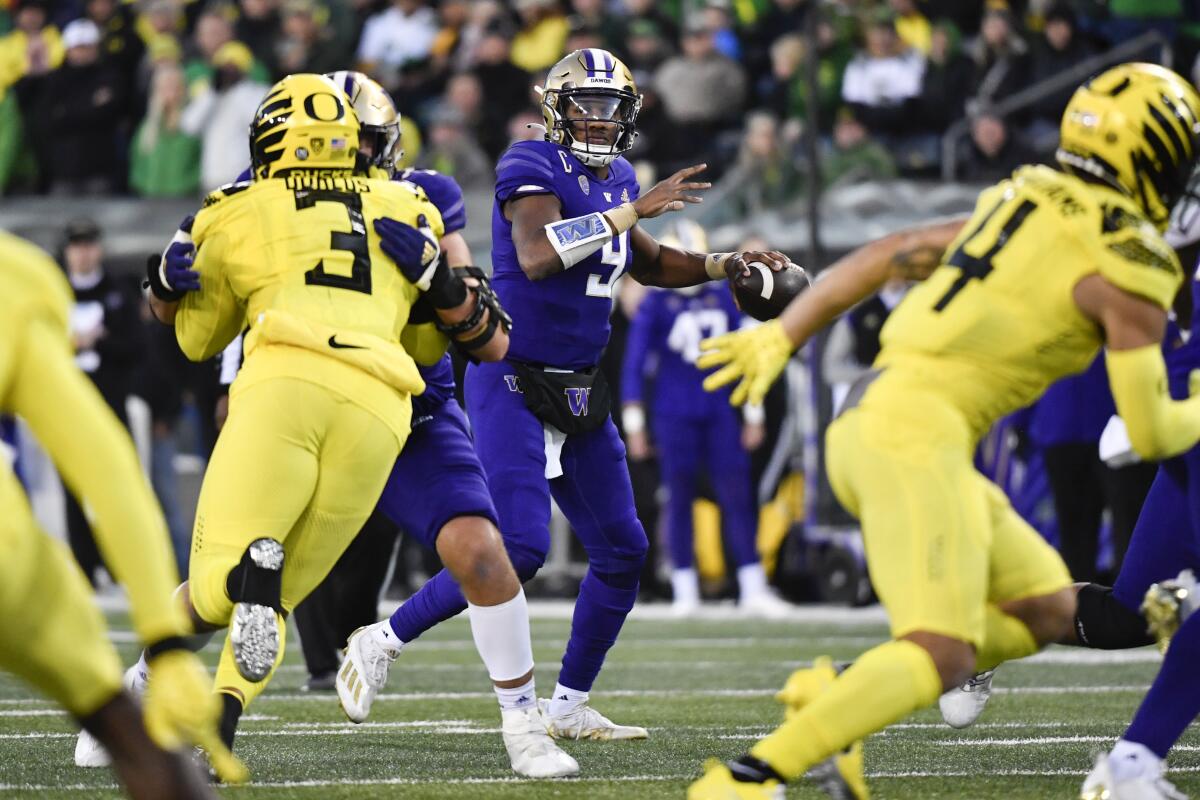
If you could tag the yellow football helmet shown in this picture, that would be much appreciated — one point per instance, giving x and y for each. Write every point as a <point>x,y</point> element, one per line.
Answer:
<point>1135,127</point>
<point>304,122</point>
<point>377,115</point>
<point>587,87</point>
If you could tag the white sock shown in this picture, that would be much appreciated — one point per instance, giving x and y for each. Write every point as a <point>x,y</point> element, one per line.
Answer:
<point>565,700</point>
<point>501,635</point>
<point>1130,760</point>
<point>685,586</point>
<point>523,696</point>
<point>383,634</point>
<point>752,580</point>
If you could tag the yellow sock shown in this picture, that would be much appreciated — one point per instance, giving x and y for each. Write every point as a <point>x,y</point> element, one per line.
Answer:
<point>230,681</point>
<point>883,686</point>
<point>1004,638</point>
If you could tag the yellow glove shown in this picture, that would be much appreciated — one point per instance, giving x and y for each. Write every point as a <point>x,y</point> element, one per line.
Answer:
<point>756,355</point>
<point>181,710</point>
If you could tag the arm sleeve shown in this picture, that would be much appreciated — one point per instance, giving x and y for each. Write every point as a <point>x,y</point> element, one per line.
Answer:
<point>208,320</point>
<point>1158,426</point>
<point>98,463</point>
<point>524,171</point>
<point>637,348</point>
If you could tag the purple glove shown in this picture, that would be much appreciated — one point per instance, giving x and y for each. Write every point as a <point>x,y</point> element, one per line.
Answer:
<point>177,267</point>
<point>414,250</point>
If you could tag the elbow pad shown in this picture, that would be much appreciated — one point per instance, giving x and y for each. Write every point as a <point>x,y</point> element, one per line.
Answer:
<point>1158,426</point>
<point>577,238</point>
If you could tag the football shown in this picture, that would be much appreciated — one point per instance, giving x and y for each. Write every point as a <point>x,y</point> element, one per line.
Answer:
<point>764,293</point>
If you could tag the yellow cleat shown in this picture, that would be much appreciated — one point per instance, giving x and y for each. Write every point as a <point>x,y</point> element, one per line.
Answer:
<point>718,784</point>
<point>804,685</point>
<point>1167,604</point>
<point>840,776</point>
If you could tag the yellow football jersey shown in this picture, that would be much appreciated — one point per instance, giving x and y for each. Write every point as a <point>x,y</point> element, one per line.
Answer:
<point>997,323</point>
<point>296,260</point>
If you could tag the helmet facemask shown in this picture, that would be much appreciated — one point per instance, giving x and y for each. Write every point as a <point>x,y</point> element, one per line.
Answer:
<point>382,141</point>
<point>596,125</point>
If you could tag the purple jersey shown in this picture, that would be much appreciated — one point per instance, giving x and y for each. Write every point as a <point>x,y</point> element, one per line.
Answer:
<point>665,338</point>
<point>559,321</point>
<point>444,192</point>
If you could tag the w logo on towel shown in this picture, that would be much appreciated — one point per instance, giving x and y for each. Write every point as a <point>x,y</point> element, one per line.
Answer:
<point>577,400</point>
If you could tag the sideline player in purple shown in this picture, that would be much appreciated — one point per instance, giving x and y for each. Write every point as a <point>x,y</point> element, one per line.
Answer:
<point>695,430</point>
<point>563,231</point>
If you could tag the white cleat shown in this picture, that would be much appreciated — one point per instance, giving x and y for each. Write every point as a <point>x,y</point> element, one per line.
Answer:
<point>1101,784</point>
<point>962,706</point>
<point>586,722</point>
<point>684,609</point>
<point>531,751</point>
<point>88,750</point>
<point>765,605</point>
<point>364,671</point>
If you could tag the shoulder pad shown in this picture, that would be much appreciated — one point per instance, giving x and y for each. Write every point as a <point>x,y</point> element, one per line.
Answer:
<point>226,191</point>
<point>1136,258</point>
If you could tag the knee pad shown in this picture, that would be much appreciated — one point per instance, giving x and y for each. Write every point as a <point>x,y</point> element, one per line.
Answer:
<point>619,563</point>
<point>1104,623</point>
<point>258,577</point>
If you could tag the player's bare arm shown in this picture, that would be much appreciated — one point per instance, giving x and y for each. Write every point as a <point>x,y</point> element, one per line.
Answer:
<point>656,264</point>
<point>1158,426</point>
<point>548,244</point>
<point>756,356</point>
<point>912,254</point>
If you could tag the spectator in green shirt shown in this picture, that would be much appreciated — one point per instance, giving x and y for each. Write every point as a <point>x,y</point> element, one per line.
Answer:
<point>164,161</point>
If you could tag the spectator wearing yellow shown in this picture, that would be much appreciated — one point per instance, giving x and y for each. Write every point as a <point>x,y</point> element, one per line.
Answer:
<point>220,113</point>
<point>214,29</point>
<point>543,34</point>
<point>32,47</point>
<point>912,26</point>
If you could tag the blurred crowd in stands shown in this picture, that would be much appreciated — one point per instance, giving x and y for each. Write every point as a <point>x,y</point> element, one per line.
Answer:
<point>153,97</point>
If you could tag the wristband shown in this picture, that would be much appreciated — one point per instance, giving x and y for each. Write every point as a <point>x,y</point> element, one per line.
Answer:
<point>714,265</point>
<point>633,419</point>
<point>155,282</point>
<point>622,218</point>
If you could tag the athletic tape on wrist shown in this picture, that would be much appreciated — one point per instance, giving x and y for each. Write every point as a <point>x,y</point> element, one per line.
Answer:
<point>714,265</point>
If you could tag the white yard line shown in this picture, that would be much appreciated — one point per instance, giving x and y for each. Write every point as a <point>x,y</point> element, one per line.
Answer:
<point>1019,742</point>
<point>334,783</point>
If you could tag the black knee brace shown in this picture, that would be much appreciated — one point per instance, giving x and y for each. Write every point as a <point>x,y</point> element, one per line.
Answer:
<point>258,577</point>
<point>1103,623</point>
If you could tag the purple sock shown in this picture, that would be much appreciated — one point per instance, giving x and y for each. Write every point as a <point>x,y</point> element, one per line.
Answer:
<point>438,600</point>
<point>1174,698</point>
<point>600,612</point>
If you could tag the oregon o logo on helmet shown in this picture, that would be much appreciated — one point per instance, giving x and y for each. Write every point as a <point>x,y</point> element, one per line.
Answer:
<point>330,109</point>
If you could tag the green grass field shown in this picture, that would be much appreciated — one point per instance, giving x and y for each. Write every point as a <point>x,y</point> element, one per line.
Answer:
<point>704,689</point>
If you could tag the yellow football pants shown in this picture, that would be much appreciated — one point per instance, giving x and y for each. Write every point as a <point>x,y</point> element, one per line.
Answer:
<point>297,463</point>
<point>941,540</point>
<point>51,633</point>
